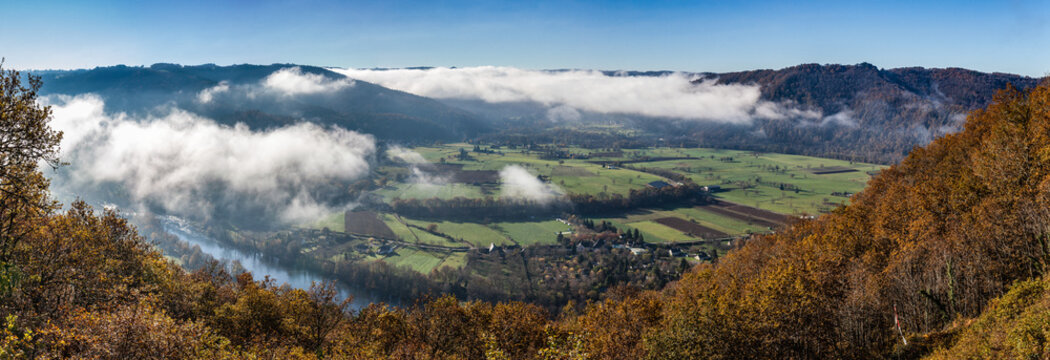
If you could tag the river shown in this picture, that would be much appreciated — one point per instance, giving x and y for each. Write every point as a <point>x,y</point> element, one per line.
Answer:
<point>258,265</point>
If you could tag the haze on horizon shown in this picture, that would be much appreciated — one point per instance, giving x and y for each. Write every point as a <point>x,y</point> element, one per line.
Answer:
<point>986,36</point>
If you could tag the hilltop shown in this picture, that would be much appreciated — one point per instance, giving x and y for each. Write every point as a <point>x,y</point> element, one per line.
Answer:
<point>867,113</point>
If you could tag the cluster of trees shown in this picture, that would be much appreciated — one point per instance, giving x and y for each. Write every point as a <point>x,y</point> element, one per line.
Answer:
<point>473,209</point>
<point>493,209</point>
<point>530,135</point>
<point>553,277</point>
<point>605,227</point>
<point>688,193</point>
<point>673,175</point>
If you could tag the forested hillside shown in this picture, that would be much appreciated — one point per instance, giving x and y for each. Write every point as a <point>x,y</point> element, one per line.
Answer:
<point>866,113</point>
<point>938,240</point>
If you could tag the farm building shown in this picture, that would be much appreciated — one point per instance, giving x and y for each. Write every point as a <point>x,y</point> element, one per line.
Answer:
<point>712,188</point>
<point>658,184</point>
<point>385,249</point>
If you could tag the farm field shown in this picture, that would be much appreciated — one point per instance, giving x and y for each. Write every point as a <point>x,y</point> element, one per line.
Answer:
<point>500,234</point>
<point>787,184</point>
<point>531,233</point>
<point>419,260</point>
<point>334,221</point>
<point>691,228</point>
<point>409,235</point>
<point>724,220</point>
<point>648,223</point>
<point>476,235</point>
<point>659,233</point>
<point>367,223</point>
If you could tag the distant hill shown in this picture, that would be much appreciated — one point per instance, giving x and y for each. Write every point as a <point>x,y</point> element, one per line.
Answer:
<point>869,113</point>
<point>833,87</point>
<point>364,107</point>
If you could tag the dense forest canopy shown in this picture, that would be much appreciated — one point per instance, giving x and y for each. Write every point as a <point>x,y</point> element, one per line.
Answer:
<point>957,231</point>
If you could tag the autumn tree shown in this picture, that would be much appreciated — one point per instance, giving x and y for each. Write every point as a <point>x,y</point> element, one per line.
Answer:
<point>26,141</point>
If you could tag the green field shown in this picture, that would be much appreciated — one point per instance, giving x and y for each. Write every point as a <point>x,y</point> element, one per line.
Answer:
<point>334,222</point>
<point>419,260</point>
<point>722,223</point>
<point>657,233</point>
<point>530,233</point>
<point>477,235</point>
<point>618,181</point>
<point>411,235</point>
<point>754,179</point>
<point>502,233</point>
<point>454,260</point>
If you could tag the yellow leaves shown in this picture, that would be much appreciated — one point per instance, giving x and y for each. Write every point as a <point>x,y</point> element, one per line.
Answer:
<point>1017,325</point>
<point>14,342</point>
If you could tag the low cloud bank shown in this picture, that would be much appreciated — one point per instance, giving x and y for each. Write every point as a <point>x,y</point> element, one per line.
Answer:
<point>672,96</point>
<point>278,86</point>
<point>517,183</point>
<point>425,181</point>
<point>405,155</point>
<point>206,95</point>
<point>192,166</point>
<point>292,81</point>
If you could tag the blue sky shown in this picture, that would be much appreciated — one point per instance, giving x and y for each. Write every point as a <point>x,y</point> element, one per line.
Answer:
<point>719,36</point>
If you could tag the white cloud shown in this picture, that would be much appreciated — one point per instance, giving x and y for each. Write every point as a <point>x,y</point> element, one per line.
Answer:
<point>563,114</point>
<point>206,95</point>
<point>182,161</point>
<point>674,95</point>
<point>817,119</point>
<point>399,153</point>
<point>427,181</point>
<point>292,81</point>
<point>843,118</point>
<point>787,110</point>
<point>517,183</point>
<point>424,181</point>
